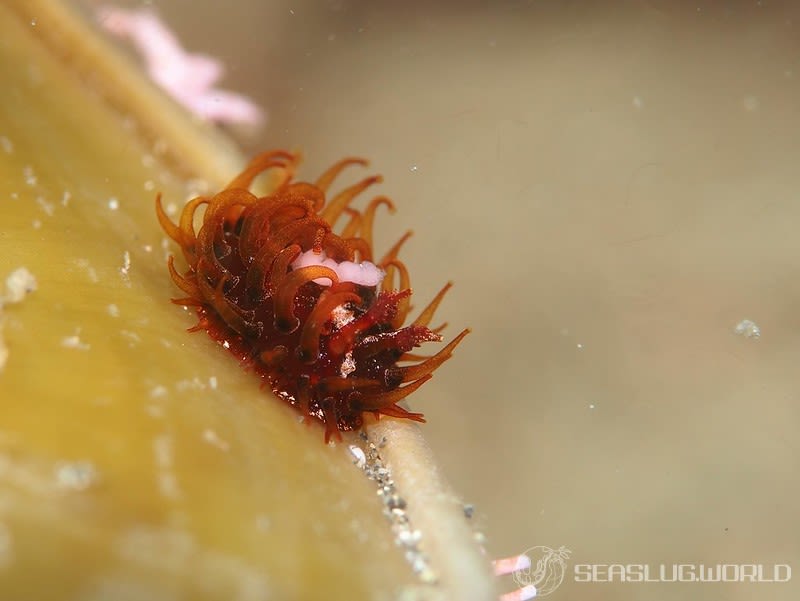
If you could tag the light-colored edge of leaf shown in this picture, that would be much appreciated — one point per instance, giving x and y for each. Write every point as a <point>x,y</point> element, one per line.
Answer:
<point>192,146</point>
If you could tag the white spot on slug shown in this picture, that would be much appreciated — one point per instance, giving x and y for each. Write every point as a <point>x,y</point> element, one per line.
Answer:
<point>341,316</point>
<point>348,365</point>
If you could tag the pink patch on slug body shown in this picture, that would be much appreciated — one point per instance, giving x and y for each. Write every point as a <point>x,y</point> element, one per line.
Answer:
<point>364,273</point>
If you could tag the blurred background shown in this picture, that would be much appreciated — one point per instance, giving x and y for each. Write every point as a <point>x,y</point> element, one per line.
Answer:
<point>613,187</point>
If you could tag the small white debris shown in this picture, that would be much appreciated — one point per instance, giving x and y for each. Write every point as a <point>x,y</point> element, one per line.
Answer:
<point>113,203</point>
<point>19,283</point>
<point>164,458</point>
<point>149,185</point>
<point>77,475</point>
<point>212,382</point>
<point>162,451</point>
<point>359,457</point>
<point>125,270</point>
<point>409,537</point>
<point>193,384</point>
<point>74,342</point>
<point>748,329</point>
<point>91,272</point>
<point>29,175</point>
<point>65,198</point>
<point>6,144</point>
<point>46,206</point>
<point>132,337</point>
<point>213,438</point>
<point>394,507</point>
<point>158,391</point>
<point>113,310</point>
<point>36,224</point>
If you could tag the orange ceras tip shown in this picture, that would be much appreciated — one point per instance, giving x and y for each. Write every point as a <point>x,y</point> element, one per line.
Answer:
<point>302,306</point>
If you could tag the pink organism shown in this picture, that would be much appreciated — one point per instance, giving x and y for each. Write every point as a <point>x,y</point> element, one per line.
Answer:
<point>514,565</point>
<point>187,78</point>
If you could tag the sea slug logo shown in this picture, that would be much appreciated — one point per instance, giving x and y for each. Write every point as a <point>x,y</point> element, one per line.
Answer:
<point>682,572</point>
<point>547,569</point>
<point>540,570</point>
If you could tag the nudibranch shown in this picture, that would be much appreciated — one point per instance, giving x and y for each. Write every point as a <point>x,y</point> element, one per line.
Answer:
<point>304,307</point>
